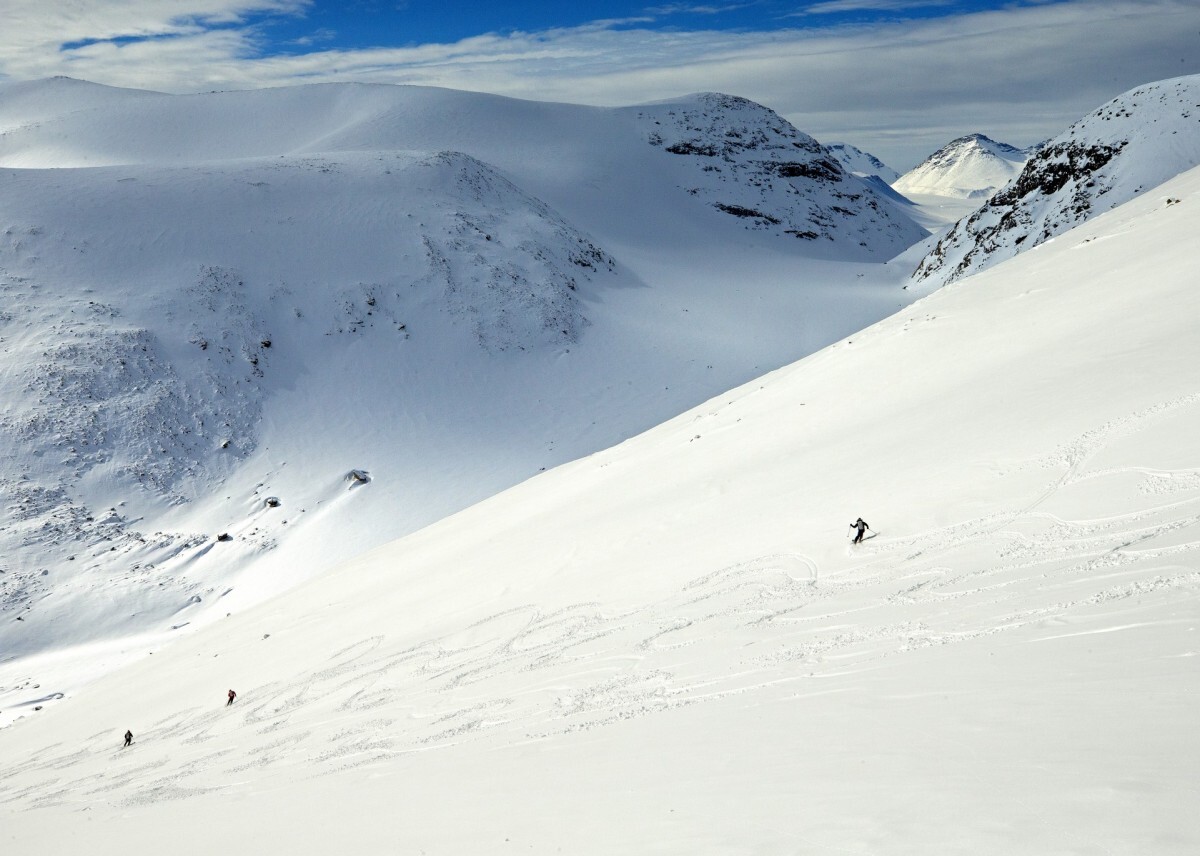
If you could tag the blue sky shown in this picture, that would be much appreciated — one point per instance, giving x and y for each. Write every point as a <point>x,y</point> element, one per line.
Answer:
<point>358,24</point>
<point>898,78</point>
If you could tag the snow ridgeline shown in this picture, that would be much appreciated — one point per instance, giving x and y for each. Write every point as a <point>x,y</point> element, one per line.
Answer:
<point>1127,147</point>
<point>863,164</point>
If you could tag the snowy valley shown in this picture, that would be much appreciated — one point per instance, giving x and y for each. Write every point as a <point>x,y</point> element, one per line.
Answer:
<point>685,314</point>
<point>218,307</point>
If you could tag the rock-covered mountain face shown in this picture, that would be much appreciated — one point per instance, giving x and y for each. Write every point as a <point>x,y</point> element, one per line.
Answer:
<point>748,162</point>
<point>860,163</point>
<point>971,167</point>
<point>1127,147</point>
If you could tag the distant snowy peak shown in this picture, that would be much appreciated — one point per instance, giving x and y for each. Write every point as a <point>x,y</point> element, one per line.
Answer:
<point>1130,145</point>
<point>971,167</point>
<point>748,162</point>
<point>863,164</point>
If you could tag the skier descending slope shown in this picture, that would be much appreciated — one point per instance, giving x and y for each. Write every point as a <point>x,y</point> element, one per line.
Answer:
<point>861,526</point>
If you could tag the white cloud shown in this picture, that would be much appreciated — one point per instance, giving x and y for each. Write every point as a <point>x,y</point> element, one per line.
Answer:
<point>832,6</point>
<point>898,90</point>
<point>693,9</point>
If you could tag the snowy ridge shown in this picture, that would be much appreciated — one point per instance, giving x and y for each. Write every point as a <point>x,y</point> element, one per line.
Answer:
<point>670,646</point>
<point>549,150</point>
<point>1130,145</point>
<point>857,162</point>
<point>970,167</point>
<point>750,163</point>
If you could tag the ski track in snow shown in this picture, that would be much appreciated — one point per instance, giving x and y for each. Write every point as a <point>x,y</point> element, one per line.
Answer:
<point>760,629</point>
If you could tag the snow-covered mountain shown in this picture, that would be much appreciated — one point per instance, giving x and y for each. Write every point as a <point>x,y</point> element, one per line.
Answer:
<point>216,307</point>
<point>670,646</point>
<point>731,157</point>
<point>742,156</point>
<point>1130,145</point>
<point>970,167</point>
<point>857,162</point>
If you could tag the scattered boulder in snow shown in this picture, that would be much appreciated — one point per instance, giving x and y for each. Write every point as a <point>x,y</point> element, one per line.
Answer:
<point>358,476</point>
<point>224,536</point>
<point>272,502</point>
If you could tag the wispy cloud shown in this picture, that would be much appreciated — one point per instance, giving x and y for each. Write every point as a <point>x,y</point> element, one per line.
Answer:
<point>324,34</point>
<point>835,6</point>
<point>693,9</point>
<point>899,89</point>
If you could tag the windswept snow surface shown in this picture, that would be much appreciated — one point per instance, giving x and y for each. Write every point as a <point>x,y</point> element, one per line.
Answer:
<point>1127,147</point>
<point>670,646</point>
<point>214,308</point>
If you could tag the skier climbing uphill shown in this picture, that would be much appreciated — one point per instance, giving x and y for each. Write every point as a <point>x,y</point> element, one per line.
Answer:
<point>861,526</point>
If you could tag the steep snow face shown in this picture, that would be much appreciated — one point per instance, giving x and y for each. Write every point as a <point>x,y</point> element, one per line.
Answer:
<point>971,167</point>
<point>857,162</point>
<point>1130,145</point>
<point>748,162</point>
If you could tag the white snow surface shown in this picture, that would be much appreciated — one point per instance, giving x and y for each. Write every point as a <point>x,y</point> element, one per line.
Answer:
<point>970,167</point>
<point>214,308</point>
<point>861,163</point>
<point>670,646</point>
<point>1127,147</point>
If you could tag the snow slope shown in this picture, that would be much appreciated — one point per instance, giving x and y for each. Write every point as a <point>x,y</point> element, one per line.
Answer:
<point>610,171</point>
<point>970,167</point>
<point>1130,145</point>
<point>861,163</point>
<point>215,307</point>
<point>669,646</point>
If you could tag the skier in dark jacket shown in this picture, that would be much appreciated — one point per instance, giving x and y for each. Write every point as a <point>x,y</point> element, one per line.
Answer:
<point>861,526</point>
<point>128,737</point>
<point>232,696</point>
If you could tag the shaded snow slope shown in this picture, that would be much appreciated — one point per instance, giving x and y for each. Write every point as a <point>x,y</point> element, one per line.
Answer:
<point>140,364</point>
<point>214,308</point>
<point>970,167</point>
<point>670,647</point>
<point>1130,145</point>
<point>860,163</point>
